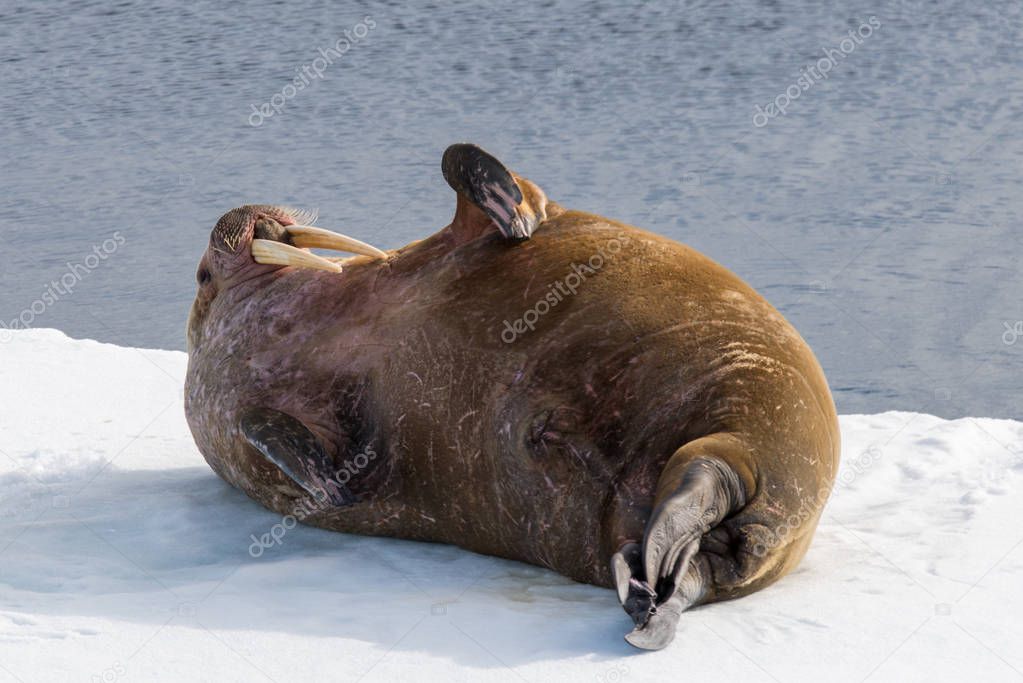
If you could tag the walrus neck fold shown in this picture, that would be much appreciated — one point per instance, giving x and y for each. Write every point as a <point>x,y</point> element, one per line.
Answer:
<point>249,278</point>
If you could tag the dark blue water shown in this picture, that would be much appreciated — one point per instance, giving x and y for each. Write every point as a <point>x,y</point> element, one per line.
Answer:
<point>879,212</point>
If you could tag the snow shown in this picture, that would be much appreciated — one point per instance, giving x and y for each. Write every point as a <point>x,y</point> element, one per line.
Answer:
<point>123,557</point>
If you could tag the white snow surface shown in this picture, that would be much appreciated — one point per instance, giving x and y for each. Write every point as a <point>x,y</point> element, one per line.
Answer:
<point>124,558</point>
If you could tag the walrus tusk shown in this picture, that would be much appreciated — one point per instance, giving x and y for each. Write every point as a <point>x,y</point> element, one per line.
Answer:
<point>280,254</point>
<point>311,237</point>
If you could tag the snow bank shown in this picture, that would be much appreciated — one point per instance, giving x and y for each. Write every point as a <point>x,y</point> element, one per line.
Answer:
<point>123,557</point>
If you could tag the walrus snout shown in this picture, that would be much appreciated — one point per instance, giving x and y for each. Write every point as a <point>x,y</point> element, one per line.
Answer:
<point>280,236</point>
<point>285,245</point>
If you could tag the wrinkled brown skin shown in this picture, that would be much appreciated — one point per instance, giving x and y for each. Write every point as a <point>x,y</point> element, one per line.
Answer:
<point>548,449</point>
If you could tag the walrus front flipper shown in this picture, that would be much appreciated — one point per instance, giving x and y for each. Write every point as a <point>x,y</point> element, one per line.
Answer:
<point>297,453</point>
<point>489,194</point>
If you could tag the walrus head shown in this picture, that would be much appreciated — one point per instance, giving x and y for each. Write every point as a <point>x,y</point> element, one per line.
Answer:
<point>272,322</point>
<point>259,239</point>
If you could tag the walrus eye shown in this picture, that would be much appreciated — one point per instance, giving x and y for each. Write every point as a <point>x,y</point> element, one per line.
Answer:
<point>203,276</point>
<point>287,248</point>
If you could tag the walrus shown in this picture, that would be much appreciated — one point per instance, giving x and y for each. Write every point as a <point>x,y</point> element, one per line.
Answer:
<point>530,382</point>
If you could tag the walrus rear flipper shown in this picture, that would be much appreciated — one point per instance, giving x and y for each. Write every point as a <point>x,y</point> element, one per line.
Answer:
<point>297,453</point>
<point>659,580</point>
<point>489,194</point>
